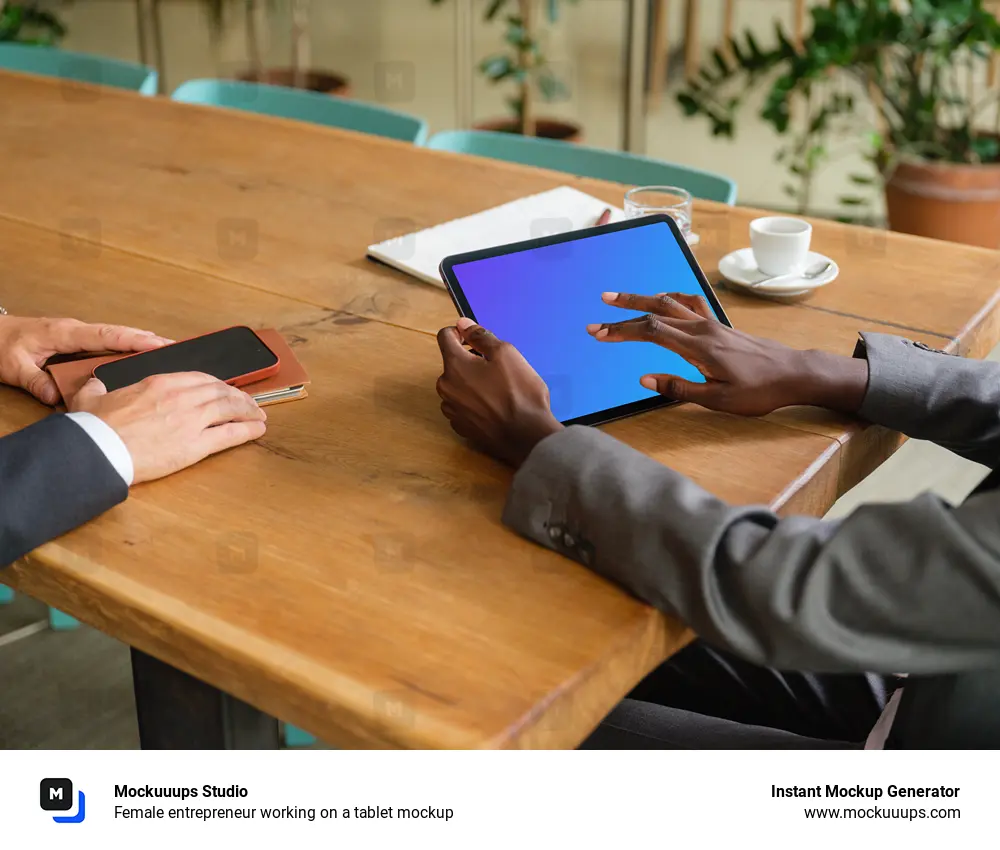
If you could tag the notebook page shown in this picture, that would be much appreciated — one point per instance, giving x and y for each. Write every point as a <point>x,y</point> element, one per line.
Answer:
<point>556,211</point>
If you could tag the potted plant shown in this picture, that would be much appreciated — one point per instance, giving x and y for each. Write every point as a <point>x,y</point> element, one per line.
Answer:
<point>933,146</point>
<point>298,74</point>
<point>525,65</point>
<point>28,23</point>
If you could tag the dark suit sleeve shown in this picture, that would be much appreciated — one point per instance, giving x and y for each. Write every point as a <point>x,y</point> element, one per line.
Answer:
<point>53,478</point>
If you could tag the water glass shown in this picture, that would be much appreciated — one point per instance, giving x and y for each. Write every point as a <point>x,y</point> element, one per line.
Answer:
<point>655,200</point>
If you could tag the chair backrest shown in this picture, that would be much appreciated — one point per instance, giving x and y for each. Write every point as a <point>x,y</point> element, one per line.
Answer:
<point>313,107</point>
<point>619,167</point>
<point>83,67</point>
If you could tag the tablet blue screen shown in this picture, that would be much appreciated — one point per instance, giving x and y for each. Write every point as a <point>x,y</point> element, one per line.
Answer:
<point>541,301</point>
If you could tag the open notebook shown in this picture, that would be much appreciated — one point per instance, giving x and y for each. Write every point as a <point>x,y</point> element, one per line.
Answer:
<point>556,211</point>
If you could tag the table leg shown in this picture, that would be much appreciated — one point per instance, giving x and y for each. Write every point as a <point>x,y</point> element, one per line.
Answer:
<point>179,712</point>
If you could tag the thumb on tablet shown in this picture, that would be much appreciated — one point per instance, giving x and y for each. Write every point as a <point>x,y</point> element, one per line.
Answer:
<point>482,340</point>
<point>678,388</point>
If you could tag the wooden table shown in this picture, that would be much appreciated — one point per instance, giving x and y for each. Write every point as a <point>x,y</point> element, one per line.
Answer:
<point>349,573</point>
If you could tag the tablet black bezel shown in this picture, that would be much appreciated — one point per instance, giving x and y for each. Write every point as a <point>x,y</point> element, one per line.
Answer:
<point>447,271</point>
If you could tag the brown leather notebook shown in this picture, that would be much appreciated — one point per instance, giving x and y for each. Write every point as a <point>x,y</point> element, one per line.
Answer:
<point>288,385</point>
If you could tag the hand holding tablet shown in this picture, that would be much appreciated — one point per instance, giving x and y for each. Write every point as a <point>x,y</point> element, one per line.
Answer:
<point>495,400</point>
<point>500,402</point>
<point>540,296</point>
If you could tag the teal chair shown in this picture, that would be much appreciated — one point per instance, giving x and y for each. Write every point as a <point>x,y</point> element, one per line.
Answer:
<point>308,106</point>
<point>57,619</point>
<point>618,167</point>
<point>295,737</point>
<point>52,62</point>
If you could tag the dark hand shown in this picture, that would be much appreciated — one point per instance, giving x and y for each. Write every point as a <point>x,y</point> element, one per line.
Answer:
<point>743,374</point>
<point>497,401</point>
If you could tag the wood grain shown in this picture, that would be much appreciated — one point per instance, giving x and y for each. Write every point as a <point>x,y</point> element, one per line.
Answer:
<point>140,170</point>
<point>349,572</point>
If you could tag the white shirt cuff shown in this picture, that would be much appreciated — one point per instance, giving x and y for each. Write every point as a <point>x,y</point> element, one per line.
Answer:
<point>108,442</point>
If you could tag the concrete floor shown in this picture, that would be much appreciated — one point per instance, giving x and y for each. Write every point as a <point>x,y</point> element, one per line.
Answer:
<point>73,689</point>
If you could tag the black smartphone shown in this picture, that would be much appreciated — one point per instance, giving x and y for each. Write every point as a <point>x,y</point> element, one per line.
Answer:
<point>234,355</point>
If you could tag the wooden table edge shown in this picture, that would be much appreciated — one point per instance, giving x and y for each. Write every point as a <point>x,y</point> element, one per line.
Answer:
<point>343,715</point>
<point>175,645</point>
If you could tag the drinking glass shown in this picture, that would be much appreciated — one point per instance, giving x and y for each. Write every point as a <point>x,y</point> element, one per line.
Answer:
<point>652,200</point>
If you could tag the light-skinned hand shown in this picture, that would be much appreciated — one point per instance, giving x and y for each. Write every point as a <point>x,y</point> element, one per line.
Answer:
<point>170,422</point>
<point>25,345</point>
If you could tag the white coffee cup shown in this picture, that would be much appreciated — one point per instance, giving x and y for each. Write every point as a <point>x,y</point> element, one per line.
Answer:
<point>780,244</point>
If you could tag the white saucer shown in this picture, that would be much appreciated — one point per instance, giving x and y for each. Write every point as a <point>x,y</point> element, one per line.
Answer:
<point>738,267</point>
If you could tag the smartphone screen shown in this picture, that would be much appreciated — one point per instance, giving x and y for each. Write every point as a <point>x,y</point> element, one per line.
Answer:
<point>226,355</point>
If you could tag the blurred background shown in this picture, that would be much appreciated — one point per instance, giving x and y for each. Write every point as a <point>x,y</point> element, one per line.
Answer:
<point>415,56</point>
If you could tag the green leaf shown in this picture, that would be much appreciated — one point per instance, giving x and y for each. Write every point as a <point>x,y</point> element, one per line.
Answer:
<point>497,67</point>
<point>720,63</point>
<point>688,104</point>
<point>986,148</point>
<point>852,201</point>
<point>552,88</point>
<point>861,180</point>
<point>494,8</point>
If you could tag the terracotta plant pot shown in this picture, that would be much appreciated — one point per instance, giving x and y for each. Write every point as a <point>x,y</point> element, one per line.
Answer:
<point>318,81</point>
<point>545,128</point>
<point>960,203</point>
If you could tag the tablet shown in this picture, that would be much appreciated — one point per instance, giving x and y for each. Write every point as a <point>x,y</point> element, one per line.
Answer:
<point>540,295</point>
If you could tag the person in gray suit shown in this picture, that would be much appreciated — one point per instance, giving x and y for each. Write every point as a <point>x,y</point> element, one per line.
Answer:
<point>848,606</point>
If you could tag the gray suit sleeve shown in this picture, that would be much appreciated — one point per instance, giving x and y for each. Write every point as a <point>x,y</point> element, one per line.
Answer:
<point>930,395</point>
<point>913,586</point>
